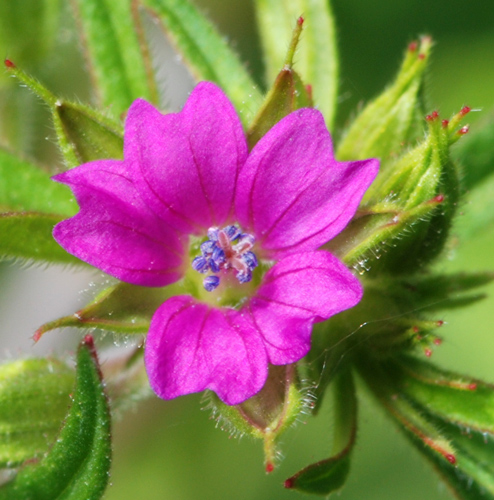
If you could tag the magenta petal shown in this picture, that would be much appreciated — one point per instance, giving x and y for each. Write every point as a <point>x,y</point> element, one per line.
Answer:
<point>191,347</point>
<point>186,164</point>
<point>115,231</point>
<point>298,291</point>
<point>292,193</point>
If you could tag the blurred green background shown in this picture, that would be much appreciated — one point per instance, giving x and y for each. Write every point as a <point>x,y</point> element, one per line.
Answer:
<point>172,450</point>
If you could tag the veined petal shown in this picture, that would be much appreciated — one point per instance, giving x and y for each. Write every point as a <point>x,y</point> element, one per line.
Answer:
<point>186,164</point>
<point>292,193</point>
<point>298,291</point>
<point>191,347</point>
<point>115,231</point>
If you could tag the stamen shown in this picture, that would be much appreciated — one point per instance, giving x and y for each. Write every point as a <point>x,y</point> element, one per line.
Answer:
<point>211,282</point>
<point>219,254</point>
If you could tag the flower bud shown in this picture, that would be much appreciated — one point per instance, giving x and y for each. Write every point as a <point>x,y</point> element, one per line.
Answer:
<point>267,414</point>
<point>393,118</point>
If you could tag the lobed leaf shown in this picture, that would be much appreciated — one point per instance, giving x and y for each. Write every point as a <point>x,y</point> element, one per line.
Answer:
<point>34,396</point>
<point>317,59</point>
<point>77,466</point>
<point>206,53</point>
<point>115,53</point>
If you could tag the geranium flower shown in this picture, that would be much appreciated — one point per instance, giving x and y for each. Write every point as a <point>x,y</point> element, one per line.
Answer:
<point>239,231</point>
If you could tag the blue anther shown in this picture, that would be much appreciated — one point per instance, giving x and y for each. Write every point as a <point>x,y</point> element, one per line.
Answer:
<point>250,259</point>
<point>233,232</point>
<point>214,265</point>
<point>218,255</point>
<point>211,282</point>
<point>213,233</point>
<point>207,247</point>
<point>200,264</point>
<point>244,276</point>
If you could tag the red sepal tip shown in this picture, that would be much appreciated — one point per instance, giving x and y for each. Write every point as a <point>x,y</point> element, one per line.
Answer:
<point>438,341</point>
<point>89,341</point>
<point>438,199</point>
<point>465,110</point>
<point>472,387</point>
<point>269,467</point>
<point>432,117</point>
<point>428,352</point>
<point>445,123</point>
<point>439,322</point>
<point>413,46</point>
<point>450,458</point>
<point>464,130</point>
<point>9,64</point>
<point>289,483</point>
<point>300,20</point>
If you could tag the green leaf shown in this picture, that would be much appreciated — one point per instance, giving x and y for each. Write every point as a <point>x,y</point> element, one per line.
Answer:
<point>120,64</point>
<point>27,235</point>
<point>207,54</point>
<point>390,120</point>
<point>317,60</point>
<point>121,308</point>
<point>286,95</point>
<point>83,133</point>
<point>26,187</point>
<point>34,396</point>
<point>30,205</point>
<point>475,153</point>
<point>327,476</point>
<point>77,466</point>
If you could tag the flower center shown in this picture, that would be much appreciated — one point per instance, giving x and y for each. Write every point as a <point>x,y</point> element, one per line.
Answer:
<point>226,250</point>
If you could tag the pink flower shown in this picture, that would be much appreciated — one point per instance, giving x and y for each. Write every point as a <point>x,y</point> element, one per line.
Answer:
<point>239,232</point>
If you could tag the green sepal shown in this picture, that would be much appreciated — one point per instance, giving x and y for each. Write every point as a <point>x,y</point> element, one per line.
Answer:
<point>390,121</point>
<point>435,409</point>
<point>393,316</point>
<point>34,396</point>
<point>460,400</point>
<point>410,418</point>
<point>329,475</point>
<point>117,54</point>
<point>426,172</point>
<point>83,133</point>
<point>121,308</point>
<point>287,94</point>
<point>374,230</point>
<point>475,153</point>
<point>317,59</point>
<point>77,466</point>
<point>206,53</point>
<point>268,414</point>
